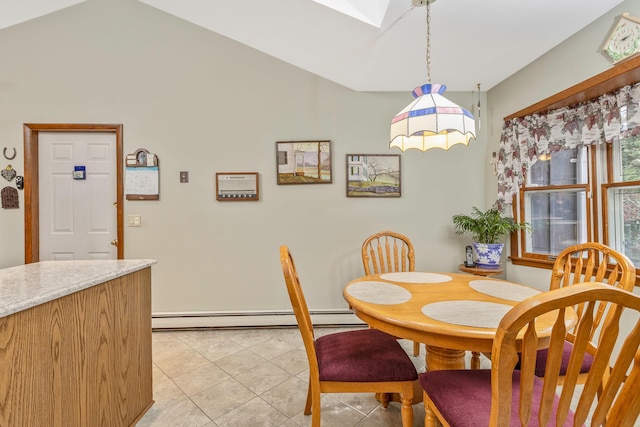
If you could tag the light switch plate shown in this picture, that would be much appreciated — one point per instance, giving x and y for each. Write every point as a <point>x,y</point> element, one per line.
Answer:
<point>135,221</point>
<point>184,176</point>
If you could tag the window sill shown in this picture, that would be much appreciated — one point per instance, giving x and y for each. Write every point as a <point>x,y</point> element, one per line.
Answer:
<point>530,262</point>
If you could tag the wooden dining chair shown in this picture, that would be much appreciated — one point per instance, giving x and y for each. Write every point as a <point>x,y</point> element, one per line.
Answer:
<point>504,396</point>
<point>592,262</point>
<point>359,361</point>
<point>587,262</point>
<point>388,252</point>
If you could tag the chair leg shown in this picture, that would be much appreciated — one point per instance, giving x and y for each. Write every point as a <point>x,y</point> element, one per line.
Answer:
<point>430,419</point>
<point>315,410</point>
<point>307,406</point>
<point>475,360</point>
<point>406,410</point>
<point>384,399</point>
<point>416,348</point>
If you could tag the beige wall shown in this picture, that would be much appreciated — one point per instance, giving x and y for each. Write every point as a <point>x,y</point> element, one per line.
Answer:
<point>206,104</point>
<point>573,61</point>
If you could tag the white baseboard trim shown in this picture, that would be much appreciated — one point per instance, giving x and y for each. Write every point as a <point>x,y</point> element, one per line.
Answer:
<point>228,319</point>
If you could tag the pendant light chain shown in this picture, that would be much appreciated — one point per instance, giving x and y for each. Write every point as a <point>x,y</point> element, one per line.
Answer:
<point>429,41</point>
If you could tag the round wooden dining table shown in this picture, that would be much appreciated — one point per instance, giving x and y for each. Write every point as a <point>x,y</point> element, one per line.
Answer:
<point>450,312</point>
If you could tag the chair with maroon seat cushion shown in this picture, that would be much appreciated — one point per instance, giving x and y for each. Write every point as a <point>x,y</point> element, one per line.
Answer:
<point>388,252</point>
<point>587,262</point>
<point>504,396</point>
<point>360,361</point>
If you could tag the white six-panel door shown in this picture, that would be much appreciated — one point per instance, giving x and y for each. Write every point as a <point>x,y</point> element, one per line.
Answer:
<point>77,216</point>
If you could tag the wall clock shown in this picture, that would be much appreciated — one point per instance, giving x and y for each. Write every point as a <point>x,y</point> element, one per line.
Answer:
<point>623,41</point>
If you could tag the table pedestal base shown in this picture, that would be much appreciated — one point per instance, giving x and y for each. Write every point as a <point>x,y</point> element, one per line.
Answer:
<point>439,358</point>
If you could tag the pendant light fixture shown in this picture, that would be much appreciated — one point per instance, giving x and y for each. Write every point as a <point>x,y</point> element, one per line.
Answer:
<point>431,120</point>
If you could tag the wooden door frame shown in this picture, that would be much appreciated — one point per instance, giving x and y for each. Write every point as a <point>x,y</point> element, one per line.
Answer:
<point>31,187</point>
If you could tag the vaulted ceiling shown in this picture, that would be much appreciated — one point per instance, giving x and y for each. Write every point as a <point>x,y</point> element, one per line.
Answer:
<point>379,45</point>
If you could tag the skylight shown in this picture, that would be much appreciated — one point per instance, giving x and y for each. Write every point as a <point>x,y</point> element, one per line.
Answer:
<point>369,11</point>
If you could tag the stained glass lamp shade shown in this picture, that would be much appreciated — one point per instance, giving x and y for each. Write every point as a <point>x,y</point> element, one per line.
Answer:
<point>431,121</point>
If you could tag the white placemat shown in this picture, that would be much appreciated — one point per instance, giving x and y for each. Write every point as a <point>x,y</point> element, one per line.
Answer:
<point>379,293</point>
<point>415,277</point>
<point>504,290</point>
<point>469,313</point>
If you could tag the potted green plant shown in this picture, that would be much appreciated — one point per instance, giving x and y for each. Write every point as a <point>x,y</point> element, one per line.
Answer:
<point>488,230</point>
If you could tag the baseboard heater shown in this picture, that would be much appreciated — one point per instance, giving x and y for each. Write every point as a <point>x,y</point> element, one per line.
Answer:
<point>249,319</point>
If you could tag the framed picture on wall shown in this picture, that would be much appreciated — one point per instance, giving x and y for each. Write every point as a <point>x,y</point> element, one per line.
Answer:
<point>304,162</point>
<point>373,175</point>
<point>237,186</point>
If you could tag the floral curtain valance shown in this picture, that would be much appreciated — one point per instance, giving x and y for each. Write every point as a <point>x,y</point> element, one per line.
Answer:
<point>605,119</point>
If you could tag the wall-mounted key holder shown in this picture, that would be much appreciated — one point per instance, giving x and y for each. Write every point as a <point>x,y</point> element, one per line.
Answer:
<point>142,176</point>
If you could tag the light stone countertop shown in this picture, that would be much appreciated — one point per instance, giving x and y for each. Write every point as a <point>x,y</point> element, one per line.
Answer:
<point>29,285</point>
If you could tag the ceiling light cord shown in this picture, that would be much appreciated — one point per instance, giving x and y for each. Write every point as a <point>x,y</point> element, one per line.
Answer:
<point>428,42</point>
<point>479,120</point>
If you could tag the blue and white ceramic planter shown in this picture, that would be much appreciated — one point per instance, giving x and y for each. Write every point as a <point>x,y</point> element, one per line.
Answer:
<point>488,254</point>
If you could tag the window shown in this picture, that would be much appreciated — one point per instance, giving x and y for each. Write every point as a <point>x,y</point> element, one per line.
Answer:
<point>282,158</point>
<point>558,202</point>
<point>622,198</point>
<point>555,202</point>
<point>564,179</point>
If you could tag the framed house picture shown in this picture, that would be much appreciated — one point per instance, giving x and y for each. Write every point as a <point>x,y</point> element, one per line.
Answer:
<point>373,175</point>
<point>304,162</point>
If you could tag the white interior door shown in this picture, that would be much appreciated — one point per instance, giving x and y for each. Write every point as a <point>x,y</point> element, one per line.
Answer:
<point>77,216</point>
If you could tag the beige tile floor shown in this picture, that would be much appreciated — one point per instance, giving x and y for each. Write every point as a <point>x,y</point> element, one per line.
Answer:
<point>251,377</point>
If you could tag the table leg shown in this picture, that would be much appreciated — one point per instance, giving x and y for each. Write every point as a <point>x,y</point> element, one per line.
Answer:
<point>439,358</point>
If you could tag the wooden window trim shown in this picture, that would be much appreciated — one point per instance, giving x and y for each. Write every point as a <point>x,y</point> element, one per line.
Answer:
<point>623,74</point>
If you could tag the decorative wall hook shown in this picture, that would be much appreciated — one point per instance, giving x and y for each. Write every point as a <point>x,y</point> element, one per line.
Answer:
<point>4,153</point>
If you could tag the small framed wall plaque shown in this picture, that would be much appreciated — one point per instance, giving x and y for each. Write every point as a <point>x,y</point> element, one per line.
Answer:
<point>237,186</point>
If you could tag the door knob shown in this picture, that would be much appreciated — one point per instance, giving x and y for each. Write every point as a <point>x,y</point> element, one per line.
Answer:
<point>114,242</point>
